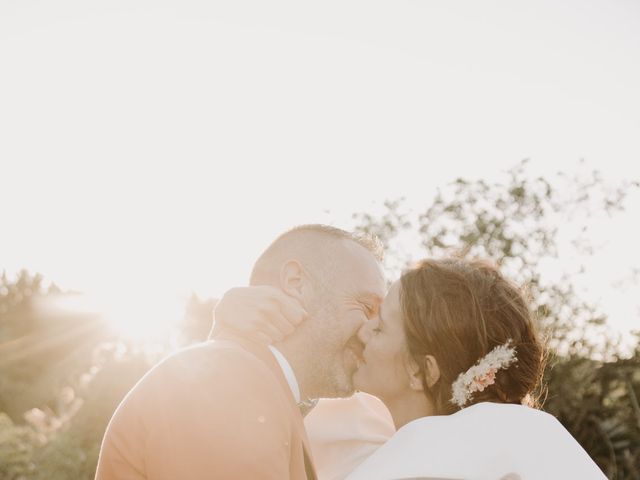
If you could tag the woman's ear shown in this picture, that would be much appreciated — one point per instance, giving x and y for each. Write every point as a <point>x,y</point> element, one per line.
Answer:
<point>292,277</point>
<point>415,382</point>
<point>415,376</point>
<point>431,370</point>
<point>431,373</point>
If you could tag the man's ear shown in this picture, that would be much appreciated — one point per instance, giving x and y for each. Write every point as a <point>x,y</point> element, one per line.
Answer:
<point>292,278</point>
<point>431,370</point>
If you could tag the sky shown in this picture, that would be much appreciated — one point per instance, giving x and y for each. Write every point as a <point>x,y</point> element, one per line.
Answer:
<point>149,149</point>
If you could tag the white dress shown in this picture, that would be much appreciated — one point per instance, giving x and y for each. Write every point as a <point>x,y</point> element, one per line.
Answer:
<point>484,441</point>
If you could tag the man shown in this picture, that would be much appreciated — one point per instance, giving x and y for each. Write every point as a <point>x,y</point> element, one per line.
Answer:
<point>229,409</point>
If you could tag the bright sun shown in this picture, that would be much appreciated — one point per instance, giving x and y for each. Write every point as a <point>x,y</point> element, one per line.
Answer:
<point>138,318</point>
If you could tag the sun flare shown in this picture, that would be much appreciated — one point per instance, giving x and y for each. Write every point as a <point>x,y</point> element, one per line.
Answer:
<point>137,318</point>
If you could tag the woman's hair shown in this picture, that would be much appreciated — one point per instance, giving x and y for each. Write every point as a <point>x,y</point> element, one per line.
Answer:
<point>458,311</point>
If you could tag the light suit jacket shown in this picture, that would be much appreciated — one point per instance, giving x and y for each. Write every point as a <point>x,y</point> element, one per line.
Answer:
<point>219,410</point>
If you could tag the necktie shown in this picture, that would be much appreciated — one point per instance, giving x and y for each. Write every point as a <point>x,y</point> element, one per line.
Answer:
<point>306,406</point>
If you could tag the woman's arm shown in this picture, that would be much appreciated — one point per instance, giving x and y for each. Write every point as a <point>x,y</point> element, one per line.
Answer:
<point>262,313</point>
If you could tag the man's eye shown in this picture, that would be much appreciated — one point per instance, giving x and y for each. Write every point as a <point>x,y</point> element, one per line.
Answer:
<point>368,308</point>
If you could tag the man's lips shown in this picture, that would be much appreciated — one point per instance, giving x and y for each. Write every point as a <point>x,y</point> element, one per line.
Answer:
<point>356,347</point>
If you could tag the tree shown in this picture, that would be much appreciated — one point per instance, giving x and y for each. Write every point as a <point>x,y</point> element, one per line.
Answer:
<point>42,347</point>
<point>520,223</point>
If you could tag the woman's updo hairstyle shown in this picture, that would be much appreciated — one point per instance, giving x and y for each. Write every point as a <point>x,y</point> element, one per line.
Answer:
<point>459,310</point>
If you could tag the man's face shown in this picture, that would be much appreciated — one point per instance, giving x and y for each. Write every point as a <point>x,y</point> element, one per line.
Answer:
<point>351,294</point>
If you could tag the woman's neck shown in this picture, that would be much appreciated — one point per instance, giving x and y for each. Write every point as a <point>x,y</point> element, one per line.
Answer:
<point>408,407</point>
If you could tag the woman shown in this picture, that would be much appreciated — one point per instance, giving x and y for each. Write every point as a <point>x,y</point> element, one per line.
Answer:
<point>455,357</point>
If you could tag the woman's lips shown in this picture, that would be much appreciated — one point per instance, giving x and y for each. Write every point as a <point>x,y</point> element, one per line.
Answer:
<point>356,347</point>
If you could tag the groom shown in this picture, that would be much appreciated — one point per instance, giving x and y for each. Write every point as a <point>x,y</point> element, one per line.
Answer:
<point>228,409</point>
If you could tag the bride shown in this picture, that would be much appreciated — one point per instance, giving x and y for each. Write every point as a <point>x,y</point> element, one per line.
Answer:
<point>454,356</point>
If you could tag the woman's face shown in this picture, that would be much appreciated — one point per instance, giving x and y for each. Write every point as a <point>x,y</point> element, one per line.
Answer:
<point>383,370</point>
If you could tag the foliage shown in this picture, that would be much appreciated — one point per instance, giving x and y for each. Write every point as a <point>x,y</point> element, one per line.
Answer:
<point>62,374</point>
<point>35,333</point>
<point>598,403</point>
<point>61,378</point>
<point>519,223</point>
<point>17,444</point>
<point>73,451</point>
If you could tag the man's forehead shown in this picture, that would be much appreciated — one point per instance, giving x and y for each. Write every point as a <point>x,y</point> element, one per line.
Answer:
<point>369,277</point>
<point>357,252</point>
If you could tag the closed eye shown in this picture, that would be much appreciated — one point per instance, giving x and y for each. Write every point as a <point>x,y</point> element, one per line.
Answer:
<point>369,310</point>
<point>378,325</point>
<point>378,328</point>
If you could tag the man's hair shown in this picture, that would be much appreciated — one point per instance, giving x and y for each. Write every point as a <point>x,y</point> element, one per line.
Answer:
<point>298,239</point>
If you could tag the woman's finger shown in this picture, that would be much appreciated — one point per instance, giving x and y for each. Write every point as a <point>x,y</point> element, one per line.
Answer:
<point>278,320</point>
<point>271,331</point>
<point>290,308</point>
<point>261,337</point>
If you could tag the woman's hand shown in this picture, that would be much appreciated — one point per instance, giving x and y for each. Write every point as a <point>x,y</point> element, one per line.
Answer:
<point>262,313</point>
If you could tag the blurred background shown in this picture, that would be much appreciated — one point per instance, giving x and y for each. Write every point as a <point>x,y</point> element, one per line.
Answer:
<point>149,151</point>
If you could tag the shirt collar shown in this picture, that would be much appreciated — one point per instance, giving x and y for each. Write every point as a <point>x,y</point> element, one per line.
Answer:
<point>288,372</point>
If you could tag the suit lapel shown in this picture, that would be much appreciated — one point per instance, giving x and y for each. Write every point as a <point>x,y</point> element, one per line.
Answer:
<point>265,355</point>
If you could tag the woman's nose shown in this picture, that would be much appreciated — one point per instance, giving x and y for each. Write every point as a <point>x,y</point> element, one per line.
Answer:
<point>364,334</point>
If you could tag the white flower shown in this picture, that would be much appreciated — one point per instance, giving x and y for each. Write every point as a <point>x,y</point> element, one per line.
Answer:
<point>482,374</point>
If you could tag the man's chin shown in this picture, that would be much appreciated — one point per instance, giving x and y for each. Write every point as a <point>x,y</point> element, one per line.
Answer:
<point>360,383</point>
<point>342,386</point>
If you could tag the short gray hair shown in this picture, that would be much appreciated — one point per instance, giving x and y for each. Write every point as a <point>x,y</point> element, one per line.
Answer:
<point>295,237</point>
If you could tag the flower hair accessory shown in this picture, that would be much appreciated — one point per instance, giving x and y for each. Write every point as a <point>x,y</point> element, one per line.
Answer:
<point>482,374</point>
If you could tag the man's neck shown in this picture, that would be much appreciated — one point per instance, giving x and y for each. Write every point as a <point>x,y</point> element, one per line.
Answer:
<point>288,372</point>
<point>298,364</point>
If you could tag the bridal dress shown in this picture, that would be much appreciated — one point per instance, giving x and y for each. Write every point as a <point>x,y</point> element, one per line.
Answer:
<point>481,442</point>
